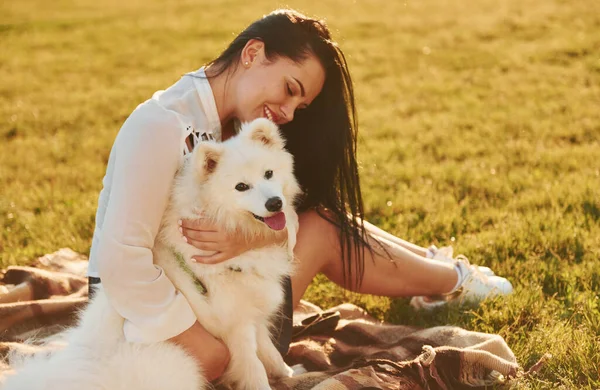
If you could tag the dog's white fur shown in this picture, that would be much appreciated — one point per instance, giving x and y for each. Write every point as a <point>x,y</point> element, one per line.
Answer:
<point>238,306</point>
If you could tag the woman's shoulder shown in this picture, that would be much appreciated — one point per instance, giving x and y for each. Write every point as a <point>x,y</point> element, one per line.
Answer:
<point>152,117</point>
<point>169,116</point>
<point>151,128</point>
<point>153,112</point>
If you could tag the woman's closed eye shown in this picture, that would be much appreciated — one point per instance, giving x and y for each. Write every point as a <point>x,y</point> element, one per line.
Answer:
<point>291,92</point>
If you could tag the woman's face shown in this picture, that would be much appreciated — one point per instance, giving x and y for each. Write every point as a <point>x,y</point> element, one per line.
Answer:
<point>275,89</point>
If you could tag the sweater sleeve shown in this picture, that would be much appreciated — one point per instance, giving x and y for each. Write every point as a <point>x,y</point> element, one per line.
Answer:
<point>148,152</point>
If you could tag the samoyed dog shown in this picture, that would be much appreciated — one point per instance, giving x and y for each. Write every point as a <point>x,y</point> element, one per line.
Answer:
<point>245,184</point>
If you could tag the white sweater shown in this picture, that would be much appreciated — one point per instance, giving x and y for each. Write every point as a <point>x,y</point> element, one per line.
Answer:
<point>143,161</point>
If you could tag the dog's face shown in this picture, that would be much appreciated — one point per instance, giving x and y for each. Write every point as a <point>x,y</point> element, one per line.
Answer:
<point>247,181</point>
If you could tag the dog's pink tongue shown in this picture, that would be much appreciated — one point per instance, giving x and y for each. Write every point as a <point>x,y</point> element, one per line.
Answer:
<point>276,222</point>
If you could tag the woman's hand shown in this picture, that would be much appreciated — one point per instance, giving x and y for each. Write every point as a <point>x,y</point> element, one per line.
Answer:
<point>211,354</point>
<point>204,235</point>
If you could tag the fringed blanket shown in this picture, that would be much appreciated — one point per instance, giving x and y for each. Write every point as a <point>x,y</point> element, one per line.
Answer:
<point>341,348</point>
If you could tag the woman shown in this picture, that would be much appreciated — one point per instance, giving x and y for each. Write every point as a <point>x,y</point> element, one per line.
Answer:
<point>284,67</point>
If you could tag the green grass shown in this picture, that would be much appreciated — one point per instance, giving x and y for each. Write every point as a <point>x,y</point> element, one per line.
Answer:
<point>480,127</point>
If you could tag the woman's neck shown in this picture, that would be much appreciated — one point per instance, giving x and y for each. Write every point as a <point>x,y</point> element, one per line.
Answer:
<point>222,86</point>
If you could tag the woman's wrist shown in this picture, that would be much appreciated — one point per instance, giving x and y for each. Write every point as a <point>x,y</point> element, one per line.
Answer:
<point>277,238</point>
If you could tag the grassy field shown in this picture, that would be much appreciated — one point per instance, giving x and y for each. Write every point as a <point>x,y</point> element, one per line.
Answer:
<point>480,127</point>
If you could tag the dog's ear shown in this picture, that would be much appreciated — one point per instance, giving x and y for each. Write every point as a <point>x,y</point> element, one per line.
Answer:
<point>264,131</point>
<point>206,158</point>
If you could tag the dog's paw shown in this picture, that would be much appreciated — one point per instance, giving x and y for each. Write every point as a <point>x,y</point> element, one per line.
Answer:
<point>283,371</point>
<point>289,372</point>
<point>298,369</point>
<point>253,386</point>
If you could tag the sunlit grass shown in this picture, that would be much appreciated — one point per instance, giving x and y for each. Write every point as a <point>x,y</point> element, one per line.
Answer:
<point>479,120</point>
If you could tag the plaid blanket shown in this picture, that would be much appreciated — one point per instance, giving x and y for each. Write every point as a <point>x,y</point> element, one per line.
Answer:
<point>341,348</point>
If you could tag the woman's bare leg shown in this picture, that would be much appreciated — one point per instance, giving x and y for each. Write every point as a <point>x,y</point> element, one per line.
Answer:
<point>402,273</point>
<point>414,248</point>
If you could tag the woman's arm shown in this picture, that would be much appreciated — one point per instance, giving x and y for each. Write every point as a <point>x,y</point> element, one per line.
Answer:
<point>204,235</point>
<point>145,159</point>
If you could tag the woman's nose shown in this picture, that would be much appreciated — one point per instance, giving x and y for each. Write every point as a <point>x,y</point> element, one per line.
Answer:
<point>287,112</point>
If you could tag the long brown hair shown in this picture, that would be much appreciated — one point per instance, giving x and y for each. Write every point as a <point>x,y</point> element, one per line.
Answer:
<point>323,137</point>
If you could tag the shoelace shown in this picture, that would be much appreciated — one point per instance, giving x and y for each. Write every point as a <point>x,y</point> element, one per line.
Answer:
<point>473,269</point>
<point>474,273</point>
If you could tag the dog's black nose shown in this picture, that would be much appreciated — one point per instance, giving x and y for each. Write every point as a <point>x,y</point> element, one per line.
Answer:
<point>274,204</point>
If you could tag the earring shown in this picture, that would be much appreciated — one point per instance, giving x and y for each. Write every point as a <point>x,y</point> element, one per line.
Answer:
<point>246,64</point>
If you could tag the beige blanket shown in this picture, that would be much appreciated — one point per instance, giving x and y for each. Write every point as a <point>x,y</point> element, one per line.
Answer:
<point>342,348</point>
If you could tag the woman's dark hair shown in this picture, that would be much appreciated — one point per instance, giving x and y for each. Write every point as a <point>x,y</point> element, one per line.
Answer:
<point>323,137</point>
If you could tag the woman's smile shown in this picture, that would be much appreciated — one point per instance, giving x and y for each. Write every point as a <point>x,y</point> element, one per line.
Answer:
<point>271,115</point>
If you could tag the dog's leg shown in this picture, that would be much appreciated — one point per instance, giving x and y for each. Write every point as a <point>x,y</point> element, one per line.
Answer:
<point>245,369</point>
<point>269,355</point>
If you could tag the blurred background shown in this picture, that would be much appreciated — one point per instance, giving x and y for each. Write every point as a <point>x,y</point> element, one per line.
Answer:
<point>479,123</point>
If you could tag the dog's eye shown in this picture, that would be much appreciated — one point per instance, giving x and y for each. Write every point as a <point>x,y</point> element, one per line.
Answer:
<point>242,187</point>
<point>268,174</point>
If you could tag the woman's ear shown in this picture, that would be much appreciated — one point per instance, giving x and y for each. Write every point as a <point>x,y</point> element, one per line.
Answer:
<point>252,52</point>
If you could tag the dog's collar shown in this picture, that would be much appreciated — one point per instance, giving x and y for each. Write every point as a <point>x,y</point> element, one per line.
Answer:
<point>183,265</point>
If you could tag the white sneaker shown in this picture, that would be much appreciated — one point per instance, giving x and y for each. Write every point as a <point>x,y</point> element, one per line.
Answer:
<point>475,287</point>
<point>445,254</point>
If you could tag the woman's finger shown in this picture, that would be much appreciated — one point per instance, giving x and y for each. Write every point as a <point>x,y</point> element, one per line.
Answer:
<point>204,245</point>
<point>200,235</point>
<point>197,224</point>
<point>218,257</point>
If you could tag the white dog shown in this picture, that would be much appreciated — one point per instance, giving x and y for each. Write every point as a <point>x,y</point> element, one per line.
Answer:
<point>244,184</point>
